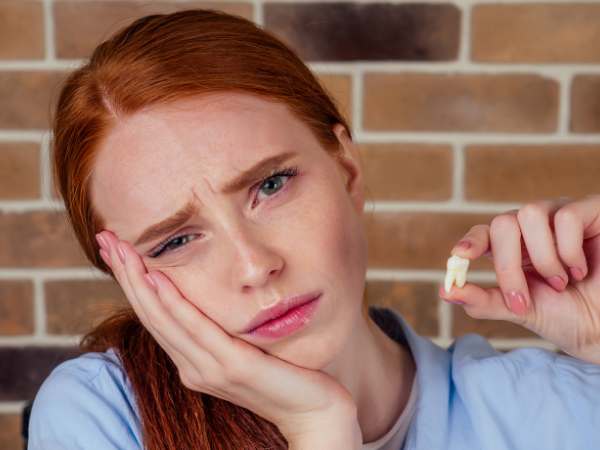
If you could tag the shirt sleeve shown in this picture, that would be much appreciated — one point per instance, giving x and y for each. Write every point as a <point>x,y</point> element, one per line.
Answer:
<point>529,397</point>
<point>83,404</point>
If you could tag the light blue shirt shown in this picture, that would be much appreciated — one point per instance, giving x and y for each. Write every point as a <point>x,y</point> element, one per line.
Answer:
<point>470,397</point>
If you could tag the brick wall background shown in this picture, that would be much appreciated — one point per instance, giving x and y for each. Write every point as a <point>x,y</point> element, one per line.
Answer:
<point>462,110</point>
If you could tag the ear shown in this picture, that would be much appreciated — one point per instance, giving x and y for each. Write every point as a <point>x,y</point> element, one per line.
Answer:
<point>349,161</point>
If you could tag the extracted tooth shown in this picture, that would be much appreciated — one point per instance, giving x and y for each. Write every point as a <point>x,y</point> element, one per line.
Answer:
<point>456,271</point>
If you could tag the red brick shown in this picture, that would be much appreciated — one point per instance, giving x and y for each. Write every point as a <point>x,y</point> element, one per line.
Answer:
<point>28,97</point>
<point>528,173</point>
<point>418,240</point>
<point>410,172</point>
<point>417,302</point>
<point>81,26</point>
<point>536,33</point>
<point>519,103</point>
<point>585,104</point>
<point>19,171</point>
<point>21,30</point>
<point>38,239</point>
<point>16,307</point>
<point>75,306</point>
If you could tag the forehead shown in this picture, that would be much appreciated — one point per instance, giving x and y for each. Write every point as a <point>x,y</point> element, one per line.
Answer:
<point>151,162</point>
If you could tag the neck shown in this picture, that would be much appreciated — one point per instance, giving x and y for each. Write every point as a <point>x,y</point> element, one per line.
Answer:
<point>378,372</point>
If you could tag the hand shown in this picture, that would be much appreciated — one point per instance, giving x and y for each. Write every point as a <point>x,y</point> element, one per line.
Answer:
<point>209,360</point>
<point>529,246</point>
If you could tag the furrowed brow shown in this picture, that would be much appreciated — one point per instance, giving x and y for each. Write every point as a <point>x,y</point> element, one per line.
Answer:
<point>255,173</point>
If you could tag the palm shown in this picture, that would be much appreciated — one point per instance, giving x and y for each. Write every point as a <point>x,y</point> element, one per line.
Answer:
<point>569,319</point>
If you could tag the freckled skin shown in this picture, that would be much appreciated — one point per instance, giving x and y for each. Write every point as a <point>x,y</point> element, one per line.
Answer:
<point>306,236</point>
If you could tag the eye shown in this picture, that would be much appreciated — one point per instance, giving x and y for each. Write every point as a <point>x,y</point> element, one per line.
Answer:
<point>181,240</point>
<point>289,172</point>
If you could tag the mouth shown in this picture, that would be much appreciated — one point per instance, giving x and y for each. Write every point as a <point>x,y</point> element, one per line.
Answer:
<point>280,310</point>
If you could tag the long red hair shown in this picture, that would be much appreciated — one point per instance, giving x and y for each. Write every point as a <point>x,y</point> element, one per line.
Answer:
<point>158,59</point>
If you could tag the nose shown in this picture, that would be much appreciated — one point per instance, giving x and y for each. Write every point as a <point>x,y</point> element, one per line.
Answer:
<point>255,261</point>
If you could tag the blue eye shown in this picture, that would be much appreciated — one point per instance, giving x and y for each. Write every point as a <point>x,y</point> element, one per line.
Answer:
<point>175,242</point>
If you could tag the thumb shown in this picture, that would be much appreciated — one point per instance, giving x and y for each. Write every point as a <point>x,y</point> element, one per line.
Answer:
<point>488,303</point>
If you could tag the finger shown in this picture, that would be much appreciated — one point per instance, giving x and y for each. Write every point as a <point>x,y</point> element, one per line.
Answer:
<point>197,333</point>
<point>159,333</point>
<point>534,223</point>
<point>573,223</point>
<point>505,236</point>
<point>474,243</point>
<point>480,303</point>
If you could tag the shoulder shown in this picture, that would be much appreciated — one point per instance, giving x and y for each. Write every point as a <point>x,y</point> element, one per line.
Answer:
<point>539,386</point>
<point>85,402</point>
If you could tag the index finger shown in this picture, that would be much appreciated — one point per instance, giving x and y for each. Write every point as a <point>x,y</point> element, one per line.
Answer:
<point>505,237</point>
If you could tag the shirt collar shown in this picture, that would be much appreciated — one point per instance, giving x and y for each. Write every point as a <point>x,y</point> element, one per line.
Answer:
<point>429,427</point>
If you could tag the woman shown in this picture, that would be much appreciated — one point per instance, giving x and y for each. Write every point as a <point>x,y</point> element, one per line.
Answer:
<point>205,169</point>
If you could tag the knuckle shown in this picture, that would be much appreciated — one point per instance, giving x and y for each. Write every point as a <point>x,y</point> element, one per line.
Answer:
<point>234,373</point>
<point>531,211</point>
<point>565,216</point>
<point>502,222</point>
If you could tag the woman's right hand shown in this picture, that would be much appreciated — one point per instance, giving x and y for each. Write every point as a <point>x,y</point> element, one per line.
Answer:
<point>301,402</point>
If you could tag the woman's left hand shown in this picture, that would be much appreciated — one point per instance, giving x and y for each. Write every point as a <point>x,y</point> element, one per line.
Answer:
<point>556,238</point>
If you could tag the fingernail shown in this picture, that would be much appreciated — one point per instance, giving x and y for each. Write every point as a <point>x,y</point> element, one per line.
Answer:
<point>455,302</point>
<point>121,252</point>
<point>557,282</point>
<point>105,257</point>
<point>463,244</point>
<point>151,281</point>
<point>577,273</point>
<point>101,240</point>
<point>516,302</point>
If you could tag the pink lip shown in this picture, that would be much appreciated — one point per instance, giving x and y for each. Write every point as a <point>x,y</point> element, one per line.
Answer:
<point>280,309</point>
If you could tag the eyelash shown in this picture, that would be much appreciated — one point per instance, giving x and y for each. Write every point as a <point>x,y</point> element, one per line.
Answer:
<point>289,172</point>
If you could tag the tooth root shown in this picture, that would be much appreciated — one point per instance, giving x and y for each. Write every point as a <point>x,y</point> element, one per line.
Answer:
<point>449,280</point>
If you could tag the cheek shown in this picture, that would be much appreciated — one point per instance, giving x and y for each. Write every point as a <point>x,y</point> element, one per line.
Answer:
<point>195,285</point>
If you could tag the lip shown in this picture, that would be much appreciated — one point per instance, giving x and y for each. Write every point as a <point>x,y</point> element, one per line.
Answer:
<point>280,309</point>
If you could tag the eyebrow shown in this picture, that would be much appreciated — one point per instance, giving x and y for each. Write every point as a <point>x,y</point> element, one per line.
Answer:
<point>258,171</point>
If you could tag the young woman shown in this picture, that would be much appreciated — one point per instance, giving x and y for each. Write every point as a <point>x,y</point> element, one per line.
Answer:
<point>205,169</point>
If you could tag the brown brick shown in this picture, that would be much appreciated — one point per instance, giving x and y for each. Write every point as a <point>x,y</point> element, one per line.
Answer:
<point>418,240</point>
<point>585,104</point>
<point>28,97</point>
<point>19,170</point>
<point>462,324</point>
<point>10,431</point>
<point>418,172</point>
<point>344,31</point>
<point>527,173</point>
<point>25,368</point>
<point>416,302</point>
<point>38,239</point>
<point>76,306</point>
<point>340,88</point>
<point>465,102</point>
<point>16,307</point>
<point>21,30</point>
<point>542,33</point>
<point>81,26</point>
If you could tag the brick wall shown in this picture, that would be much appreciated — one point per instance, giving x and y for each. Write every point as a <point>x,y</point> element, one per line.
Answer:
<point>462,110</point>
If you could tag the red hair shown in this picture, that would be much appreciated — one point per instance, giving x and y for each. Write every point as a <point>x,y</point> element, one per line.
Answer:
<point>155,60</point>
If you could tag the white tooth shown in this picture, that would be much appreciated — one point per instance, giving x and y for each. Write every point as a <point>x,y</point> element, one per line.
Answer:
<point>449,280</point>
<point>456,271</point>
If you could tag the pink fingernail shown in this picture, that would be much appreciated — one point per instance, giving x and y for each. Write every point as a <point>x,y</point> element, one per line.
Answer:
<point>463,245</point>
<point>557,282</point>
<point>121,252</point>
<point>105,257</point>
<point>577,273</point>
<point>516,302</point>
